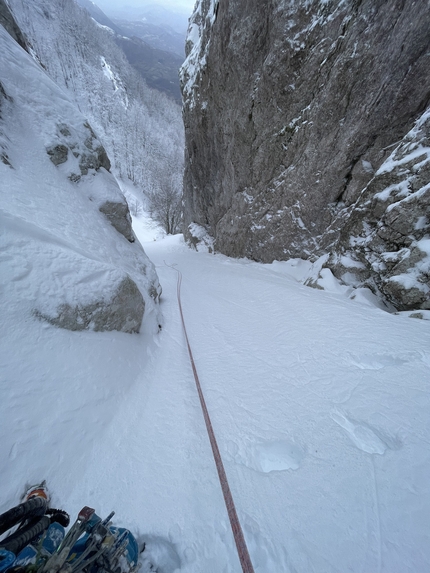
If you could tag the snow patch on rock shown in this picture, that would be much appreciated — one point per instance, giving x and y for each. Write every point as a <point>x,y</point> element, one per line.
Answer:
<point>387,231</point>
<point>196,49</point>
<point>200,238</point>
<point>64,221</point>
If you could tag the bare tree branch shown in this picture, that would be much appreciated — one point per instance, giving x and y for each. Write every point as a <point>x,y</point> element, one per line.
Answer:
<point>165,204</point>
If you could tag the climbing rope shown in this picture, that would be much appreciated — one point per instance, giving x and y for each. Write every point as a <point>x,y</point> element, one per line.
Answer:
<point>239,538</point>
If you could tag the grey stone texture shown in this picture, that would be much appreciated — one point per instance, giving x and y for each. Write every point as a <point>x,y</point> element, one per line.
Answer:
<point>4,100</point>
<point>387,230</point>
<point>58,154</point>
<point>124,312</point>
<point>119,217</point>
<point>295,105</point>
<point>86,148</point>
<point>91,155</point>
<point>8,22</point>
<point>95,155</point>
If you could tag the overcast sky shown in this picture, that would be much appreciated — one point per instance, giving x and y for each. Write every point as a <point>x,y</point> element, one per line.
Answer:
<point>177,5</point>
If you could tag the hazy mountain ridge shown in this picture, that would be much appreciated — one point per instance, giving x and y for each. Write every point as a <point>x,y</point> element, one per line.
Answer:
<point>99,15</point>
<point>157,66</point>
<point>162,38</point>
<point>169,17</point>
<point>159,69</point>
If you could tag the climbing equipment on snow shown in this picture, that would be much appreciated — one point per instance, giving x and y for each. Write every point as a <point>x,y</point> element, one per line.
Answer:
<point>239,538</point>
<point>34,517</point>
<point>40,545</point>
<point>37,490</point>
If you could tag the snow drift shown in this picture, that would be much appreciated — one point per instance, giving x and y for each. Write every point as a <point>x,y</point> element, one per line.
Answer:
<point>65,228</point>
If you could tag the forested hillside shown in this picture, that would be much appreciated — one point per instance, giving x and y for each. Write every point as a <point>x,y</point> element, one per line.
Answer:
<point>140,128</point>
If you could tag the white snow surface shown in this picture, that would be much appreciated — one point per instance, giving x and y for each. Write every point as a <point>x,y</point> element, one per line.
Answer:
<point>140,128</point>
<point>319,403</point>
<point>55,246</point>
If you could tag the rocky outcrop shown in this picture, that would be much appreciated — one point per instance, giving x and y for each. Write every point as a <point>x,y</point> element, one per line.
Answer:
<point>8,22</point>
<point>79,152</point>
<point>122,311</point>
<point>83,145</point>
<point>385,235</point>
<point>290,108</point>
<point>4,99</point>
<point>118,215</point>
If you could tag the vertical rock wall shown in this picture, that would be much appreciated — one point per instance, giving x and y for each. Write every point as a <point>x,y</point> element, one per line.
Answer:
<point>385,236</point>
<point>290,108</point>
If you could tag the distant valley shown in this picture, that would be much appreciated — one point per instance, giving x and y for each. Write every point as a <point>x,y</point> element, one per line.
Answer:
<point>162,38</point>
<point>150,42</point>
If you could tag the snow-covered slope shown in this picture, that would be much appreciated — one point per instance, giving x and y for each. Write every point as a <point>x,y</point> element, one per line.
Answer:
<point>66,253</point>
<point>140,128</point>
<point>320,406</point>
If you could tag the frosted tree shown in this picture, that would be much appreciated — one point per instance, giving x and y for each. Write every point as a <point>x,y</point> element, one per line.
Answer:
<point>165,203</point>
<point>140,128</point>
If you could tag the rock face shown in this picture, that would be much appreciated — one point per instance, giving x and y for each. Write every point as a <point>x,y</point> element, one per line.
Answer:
<point>90,155</point>
<point>4,100</point>
<point>385,235</point>
<point>8,22</point>
<point>119,216</point>
<point>124,312</point>
<point>290,108</point>
<point>77,148</point>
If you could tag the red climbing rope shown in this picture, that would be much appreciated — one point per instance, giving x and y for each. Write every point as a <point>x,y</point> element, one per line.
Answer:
<point>239,539</point>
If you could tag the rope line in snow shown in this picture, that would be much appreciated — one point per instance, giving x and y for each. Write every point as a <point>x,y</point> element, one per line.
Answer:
<point>239,538</point>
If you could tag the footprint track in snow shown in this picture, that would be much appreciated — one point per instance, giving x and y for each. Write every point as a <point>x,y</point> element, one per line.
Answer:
<point>270,456</point>
<point>365,437</point>
<point>380,361</point>
<point>160,555</point>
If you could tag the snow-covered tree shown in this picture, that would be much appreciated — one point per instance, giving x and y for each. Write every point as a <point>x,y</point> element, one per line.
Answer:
<point>165,204</point>
<point>140,128</point>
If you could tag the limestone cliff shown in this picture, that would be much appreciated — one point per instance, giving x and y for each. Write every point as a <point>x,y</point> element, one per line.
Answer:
<point>290,109</point>
<point>384,236</point>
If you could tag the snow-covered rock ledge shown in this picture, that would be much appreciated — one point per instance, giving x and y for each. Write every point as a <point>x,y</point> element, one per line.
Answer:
<point>386,235</point>
<point>69,255</point>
